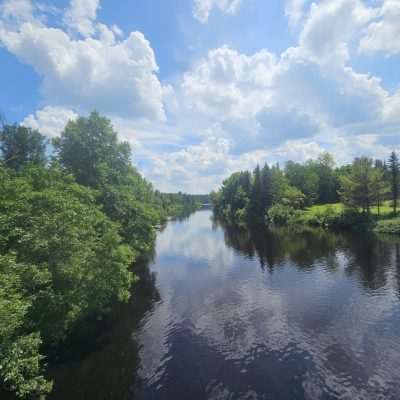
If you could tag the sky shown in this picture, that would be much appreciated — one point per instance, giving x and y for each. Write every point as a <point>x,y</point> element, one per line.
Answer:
<point>203,88</point>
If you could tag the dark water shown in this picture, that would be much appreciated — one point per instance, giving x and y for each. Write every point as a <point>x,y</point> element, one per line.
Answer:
<point>228,314</point>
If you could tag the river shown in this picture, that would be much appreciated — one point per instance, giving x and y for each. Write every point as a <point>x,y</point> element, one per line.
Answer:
<point>221,313</point>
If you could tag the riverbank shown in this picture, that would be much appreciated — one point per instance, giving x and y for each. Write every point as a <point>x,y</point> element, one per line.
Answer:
<point>328,216</point>
<point>381,220</point>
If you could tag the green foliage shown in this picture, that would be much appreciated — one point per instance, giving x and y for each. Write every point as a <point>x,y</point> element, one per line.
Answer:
<point>292,197</point>
<point>234,195</point>
<point>304,178</point>
<point>69,233</point>
<point>20,146</point>
<point>281,214</point>
<point>328,183</point>
<point>394,168</point>
<point>246,198</point>
<point>70,264</point>
<point>89,149</point>
<point>363,187</point>
<point>20,358</point>
<point>308,193</point>
<point>331,215</point>
<point>391,226</point>
<point>77,262</point>
<point>175,204</point>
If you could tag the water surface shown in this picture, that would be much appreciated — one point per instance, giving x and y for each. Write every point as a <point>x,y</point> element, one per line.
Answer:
<point>227,314</point>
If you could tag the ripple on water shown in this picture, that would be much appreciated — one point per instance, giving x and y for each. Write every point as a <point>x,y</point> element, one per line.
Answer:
<point>272,315</point>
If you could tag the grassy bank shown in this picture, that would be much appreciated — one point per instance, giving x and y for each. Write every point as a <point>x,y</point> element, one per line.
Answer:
<point>337,216</point>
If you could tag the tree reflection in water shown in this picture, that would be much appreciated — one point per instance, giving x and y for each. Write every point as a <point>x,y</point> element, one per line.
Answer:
<point>368,255</point>
<point>109,372</point>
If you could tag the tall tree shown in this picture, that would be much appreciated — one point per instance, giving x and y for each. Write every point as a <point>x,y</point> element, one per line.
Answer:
<point>304,178</point>
<point>256,209</point>
<point>266,187</point>
<point>89,148</point>
<point>379,185</point>
<point>357,188</point>
<point>20,146</point>
<point>394,169</point>
<point>327,182</point>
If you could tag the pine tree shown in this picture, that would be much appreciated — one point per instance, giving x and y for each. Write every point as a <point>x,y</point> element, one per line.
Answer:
<point>357,188</point>
<point>394,169</point>
<point>379,185</point>
<point>266,187</point>
<point>256,206</point>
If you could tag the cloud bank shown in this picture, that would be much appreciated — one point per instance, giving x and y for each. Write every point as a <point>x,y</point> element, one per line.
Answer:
<point>228,110</point>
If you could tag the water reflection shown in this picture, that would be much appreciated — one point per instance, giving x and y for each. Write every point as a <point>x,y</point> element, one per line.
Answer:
<point>260,314</point>
<point>322,324</point>
<point>110,371</point>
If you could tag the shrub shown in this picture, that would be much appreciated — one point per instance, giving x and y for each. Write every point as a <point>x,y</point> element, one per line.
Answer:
<point>281,214</point>
<point>388,226</point>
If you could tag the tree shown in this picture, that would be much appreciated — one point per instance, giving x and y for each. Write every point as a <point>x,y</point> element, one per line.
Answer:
<point>357,188</point>
<point>304,178</point>
<point>266,187</point>
<point>78,264</point>
<point>67,248</point>
<point>232,200</point>
<point>394,168</point>
<point>279,184</point>
<point>327,182</point>
<point>61,261</point>
<point>20,146</point>
<point>379,185</point>
<point>89,149</point>
<point>20,356</point>
<point>256,206</point>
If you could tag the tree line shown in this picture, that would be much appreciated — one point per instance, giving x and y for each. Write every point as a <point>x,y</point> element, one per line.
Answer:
<point>75,214</point>
<point>273,194</point>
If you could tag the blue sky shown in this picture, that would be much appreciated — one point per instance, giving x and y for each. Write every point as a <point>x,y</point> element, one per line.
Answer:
<point>201,88</point>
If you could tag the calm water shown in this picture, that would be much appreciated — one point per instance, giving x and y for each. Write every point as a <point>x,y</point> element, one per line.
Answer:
<point>228,314</point>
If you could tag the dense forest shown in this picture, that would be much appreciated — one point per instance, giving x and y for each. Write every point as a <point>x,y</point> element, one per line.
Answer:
<point>75,214</point>
<point>316,193</point>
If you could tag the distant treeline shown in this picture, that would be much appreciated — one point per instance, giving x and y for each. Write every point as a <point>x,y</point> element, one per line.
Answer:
<point>181,203</point>
<point>271,194</point>
<point>74,217</point>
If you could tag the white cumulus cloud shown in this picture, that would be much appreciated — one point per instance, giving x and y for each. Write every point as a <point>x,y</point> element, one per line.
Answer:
<point>81,16</point>
<point>114,76</point>
<point>203,8</point>
<point>50,121</point>
<point>229,110</point>
<point>294,10</point>
<point>383,34</point>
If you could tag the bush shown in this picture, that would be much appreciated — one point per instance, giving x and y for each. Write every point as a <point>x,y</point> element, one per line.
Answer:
<point>20,358</point>
<point>62,260</point>
<point>332,216</point>
<point>388,226</point>
<point>281,214</point>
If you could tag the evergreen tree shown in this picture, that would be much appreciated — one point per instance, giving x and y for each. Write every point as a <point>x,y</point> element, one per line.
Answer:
<point>394,168</point>
<point>266,187</point>
<point>379,185</point>
<point>256,211</point>
<point>20,146</point>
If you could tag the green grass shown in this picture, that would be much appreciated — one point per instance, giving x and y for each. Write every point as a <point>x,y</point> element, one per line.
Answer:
<point>336,215</point>
<point>338,208</point>
<point>391,225</point>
